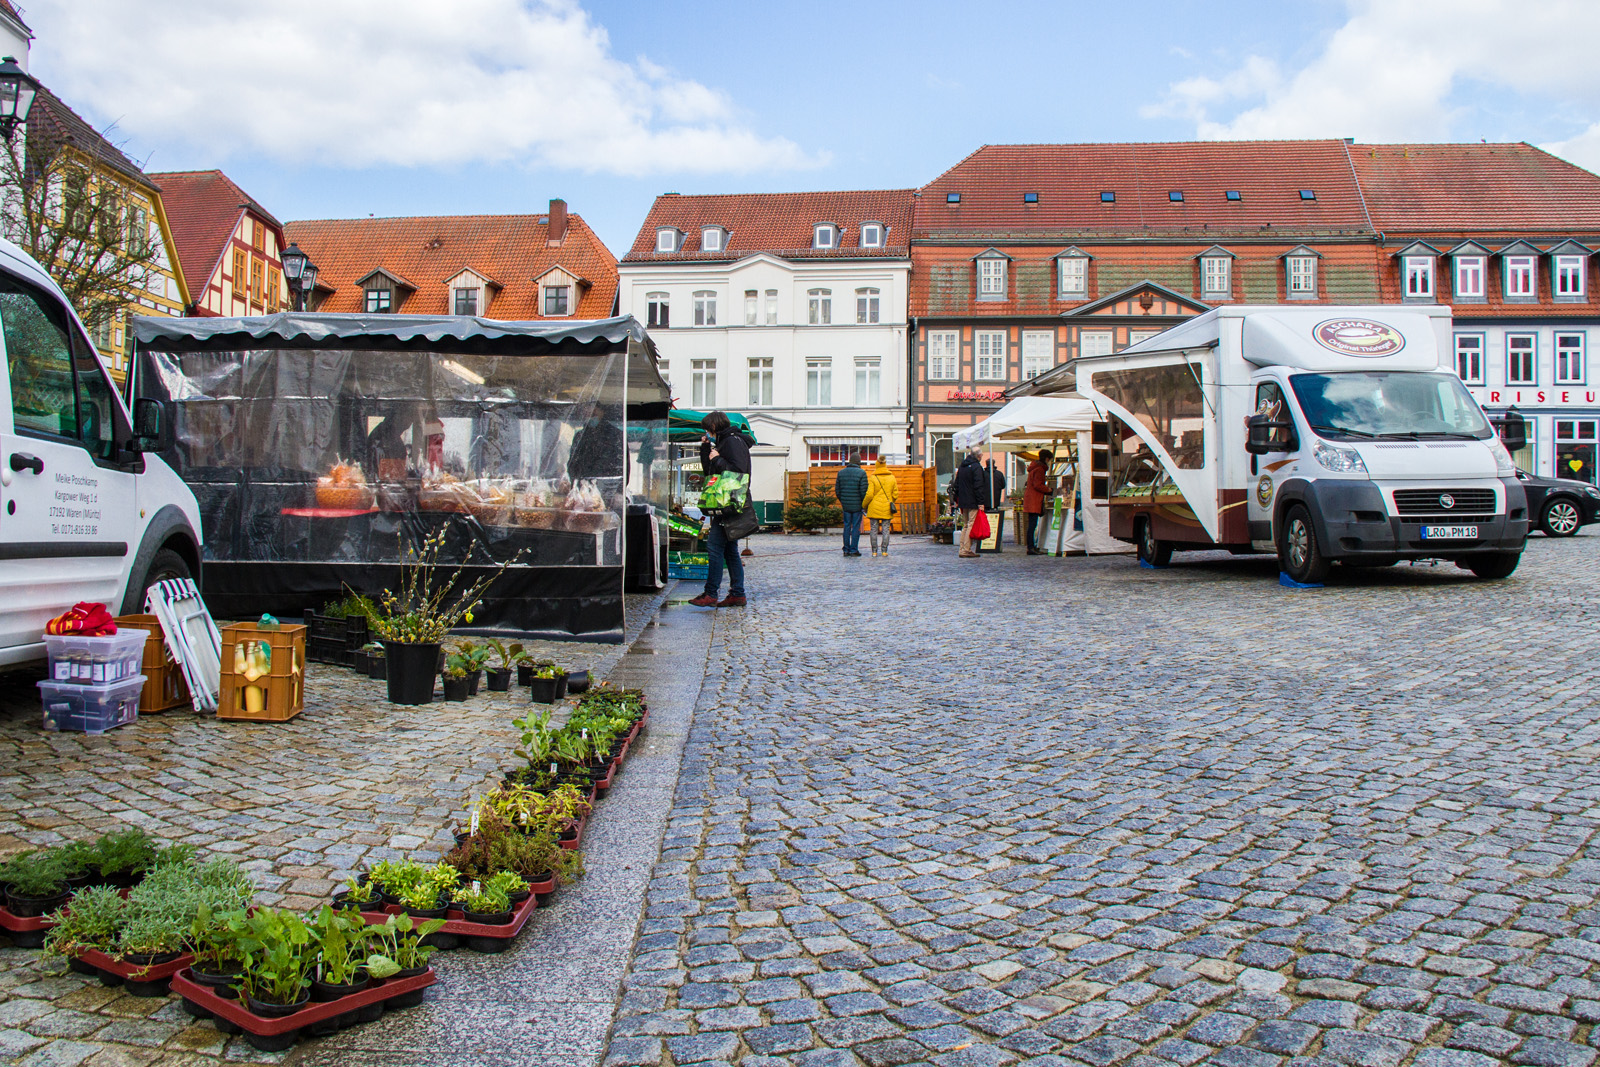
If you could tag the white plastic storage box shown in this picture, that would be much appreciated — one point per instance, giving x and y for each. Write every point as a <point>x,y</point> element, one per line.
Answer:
<point>95,660</point>
<point>91,709</point>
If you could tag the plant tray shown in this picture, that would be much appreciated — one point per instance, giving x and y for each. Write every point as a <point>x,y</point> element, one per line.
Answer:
<point>149,980</point>
<point>480,937</point>
<point>280,1033</point>
<point>24,932</point>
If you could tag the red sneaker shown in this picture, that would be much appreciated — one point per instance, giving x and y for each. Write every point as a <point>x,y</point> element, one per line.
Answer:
<point>731,601</point>
<point>704,600</point>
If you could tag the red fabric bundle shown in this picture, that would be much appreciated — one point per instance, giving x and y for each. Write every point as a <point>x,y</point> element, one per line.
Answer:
<point>84,620</point>
<point>980,526</point>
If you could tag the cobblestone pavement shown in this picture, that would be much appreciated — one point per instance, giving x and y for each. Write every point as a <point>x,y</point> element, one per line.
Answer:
<point>302,805</point>
<point>1026,810</point>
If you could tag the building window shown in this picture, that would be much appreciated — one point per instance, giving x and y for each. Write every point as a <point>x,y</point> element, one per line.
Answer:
<point>992,278</point>
<point>705,308</point>
<point>1418,274</point>
<point>1520,277</point>
<point>258,280</point>
<point>772,307</point>
<point>1576,442</point>
<point>1216,274</point>
<point>761,382</point>
<point>837,453</point>
<point>666,239</point>
<point>557,300</point>
<point>822,236</point>
<point>867,383</point>
<point>1095,343</point>
<point>1038,352</point>
<point>703,383</point>
<point>241,274</point>
<point>1469,357</point>
<point>1569,359</point>
<point>1569,277</point>
<point>871,235</point>
<point>866,306</point>
<point>1521,359</point>
<point>1469,277</point>
<point>820,306</point>
<point>666,373</point>
<point>819,383</point>
<point>379,300</point>
<point>990,346</point>
<point>274,288</point>
<point>1074,272</point>
<point>750,307</point>
<point>657,310</point>
<point>466,301</point>
<point>1140,336</point>
<point>711,239</point>
<point>944,355</point>
<point>1303,277</point>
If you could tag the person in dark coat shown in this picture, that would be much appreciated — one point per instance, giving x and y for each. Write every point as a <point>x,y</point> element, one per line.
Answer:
<point>722,450</point>
<point>1036,495</point>
<point>968,490</point>
<point>851,489</point>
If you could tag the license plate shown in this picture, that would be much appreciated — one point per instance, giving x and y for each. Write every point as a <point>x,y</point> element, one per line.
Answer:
<point>1449,533</point>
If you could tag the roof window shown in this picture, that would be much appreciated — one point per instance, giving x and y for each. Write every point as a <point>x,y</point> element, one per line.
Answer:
<point>1233,194</point>
<point>1308,194</point>
<point>1176,196</point>
<point>1030,198</point>
<point>952,198</point>
<point>1108,197</point>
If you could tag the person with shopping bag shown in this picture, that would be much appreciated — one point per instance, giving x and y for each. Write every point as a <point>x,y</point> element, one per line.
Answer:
<point>725,454</point>
<point>882,492</point>
<point>969,490</point>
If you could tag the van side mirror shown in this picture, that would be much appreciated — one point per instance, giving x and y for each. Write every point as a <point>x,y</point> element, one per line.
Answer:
<point>1262,434</point>
<point>1514,433</point>
<point>148,425</point>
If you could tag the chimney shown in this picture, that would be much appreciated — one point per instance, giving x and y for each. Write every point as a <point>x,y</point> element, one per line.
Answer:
<point>558,222</point>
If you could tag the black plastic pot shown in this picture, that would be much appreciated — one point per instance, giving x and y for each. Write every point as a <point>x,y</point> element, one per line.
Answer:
<point>225,982</point>
<point>277,1011</point>
<point>323,992</point>
<point>457,688</point>
<point>77,966</point>
<point>411,670</point>
<point>578,682</point>
<point>31,907</point>
<point>426,913</point>
<point>361,661</point>
<point>342,901</point>
<point>500,680</point>
<point>543,690</point>
<point>377,667</point>
<point>411,999</point>
<point>473,679</point>
<point>83,878</point>
<point>499,918</point>
<point>518,896</point>
<point>525,673</point>
<point>561,685</point>
<point>279,1042</point>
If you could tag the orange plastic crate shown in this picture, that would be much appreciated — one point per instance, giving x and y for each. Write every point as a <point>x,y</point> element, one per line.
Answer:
<point>285,685</point>
<point>165,687</point>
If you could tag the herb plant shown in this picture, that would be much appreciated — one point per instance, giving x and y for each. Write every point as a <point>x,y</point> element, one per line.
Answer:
<point>37,874</point>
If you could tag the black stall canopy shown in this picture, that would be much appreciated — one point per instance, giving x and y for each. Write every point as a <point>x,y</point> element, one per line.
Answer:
<point>321,446</point>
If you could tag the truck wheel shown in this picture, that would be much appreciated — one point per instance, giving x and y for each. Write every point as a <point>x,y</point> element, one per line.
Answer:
<point>165,564</point>
<point>1560,518</point>
<point>1298,554</point>
<point>1493,565</point>
<point>1154,552</point>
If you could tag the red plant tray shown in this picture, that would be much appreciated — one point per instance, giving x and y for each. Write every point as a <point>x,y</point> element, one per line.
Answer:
<point>19,925</point>
<point>242,1017</point>
<point>153,972</point>
<point>462,928</point>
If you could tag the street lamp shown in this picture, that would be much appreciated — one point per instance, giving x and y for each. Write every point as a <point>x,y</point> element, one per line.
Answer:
<point>301,274</point>
<point>17,90</point>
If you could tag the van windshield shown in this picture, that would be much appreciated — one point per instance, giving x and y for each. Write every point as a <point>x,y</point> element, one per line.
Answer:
<point>1404,404</point>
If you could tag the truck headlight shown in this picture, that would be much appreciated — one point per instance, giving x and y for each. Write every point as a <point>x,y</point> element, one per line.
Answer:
<point>1591,490</point>
<point>1502,459</point>
<point>1339,460</point>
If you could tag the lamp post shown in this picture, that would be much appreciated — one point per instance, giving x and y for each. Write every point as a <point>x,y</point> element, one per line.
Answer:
<point>301,274</point>
<point>17,92</point>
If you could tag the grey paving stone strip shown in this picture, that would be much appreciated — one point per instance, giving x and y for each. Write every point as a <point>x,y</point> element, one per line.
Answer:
<point>551,998</point>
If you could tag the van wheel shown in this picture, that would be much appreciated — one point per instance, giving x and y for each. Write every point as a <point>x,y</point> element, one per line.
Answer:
<point>1298,554</point>
<point>165,565</point>
<point>1493,565</point>
<point>1154,552</point>
<point>1560,518</point>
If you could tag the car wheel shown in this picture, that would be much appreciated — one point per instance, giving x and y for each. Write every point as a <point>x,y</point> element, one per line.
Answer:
<point>1493,565</point>
<point>1154,552</point>
<point>165,565</point>
<point>1298,554</point>
<point>1560,518</point>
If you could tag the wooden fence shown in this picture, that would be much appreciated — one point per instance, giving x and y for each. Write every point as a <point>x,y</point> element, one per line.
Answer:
<point>918,496</point>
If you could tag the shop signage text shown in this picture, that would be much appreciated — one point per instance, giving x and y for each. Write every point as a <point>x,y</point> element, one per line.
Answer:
<point>1556,397</point>
<point>981,394</point>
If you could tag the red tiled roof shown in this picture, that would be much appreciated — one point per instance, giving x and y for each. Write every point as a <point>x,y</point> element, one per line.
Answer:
<point>53,119</point>
<point>428,251</point>
<point>1475,188</point>
<point>777,223</point>
<point>11,9</point>
<point>203,208</point>
<point>1069,179</point>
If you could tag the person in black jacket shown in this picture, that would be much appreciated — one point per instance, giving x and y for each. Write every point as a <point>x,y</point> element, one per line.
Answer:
<point>722,450</point>
<point>850,487</point>
<point>968,490</point>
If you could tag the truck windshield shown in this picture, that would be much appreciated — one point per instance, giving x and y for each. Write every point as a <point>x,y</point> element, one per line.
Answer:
<point>1403,404</point>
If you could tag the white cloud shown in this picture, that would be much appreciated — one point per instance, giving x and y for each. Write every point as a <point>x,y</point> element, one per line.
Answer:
<point>1395,70</point>
<point>360,83</point>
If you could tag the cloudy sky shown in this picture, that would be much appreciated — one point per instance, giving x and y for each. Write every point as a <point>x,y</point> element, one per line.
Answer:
<point>345,108</point>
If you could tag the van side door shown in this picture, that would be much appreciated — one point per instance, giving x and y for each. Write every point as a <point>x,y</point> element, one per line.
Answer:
<point>1269,469</point>
<point>68,526</point>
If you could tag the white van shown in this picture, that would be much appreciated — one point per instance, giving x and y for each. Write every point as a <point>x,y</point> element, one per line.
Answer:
<point>88,512</point>
<point>1323,434</point>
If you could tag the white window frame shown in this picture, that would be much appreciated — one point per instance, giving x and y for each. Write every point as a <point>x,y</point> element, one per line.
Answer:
<point>1569,358</point>
<point>665,367</point>
<point>711,238</point>
<point>869,383</point>
<point>750,307</point>
<point>1038,352</point>
<point>989,355</point>
<point>819,382</point>
<point>1302,277</point>
<point>760,381</point>
<point>1532,360</point>
<point>703,383</point>
<point>872,235</point>
<point>1469,349</point>
<point>944,355</point>
<point>1416,277</point>
<point>1470,273</point>
<point>1108,337</point>
<point>992,278</point>
<point>867,306</point>
<point>1073,276</point>
<point>654,305</point>
<point>772,307</point>
<point>1571,277</point>
<point>1522,277</point>
<point>824,236</point>
<point>1216,275</point>
<point>666,239</point>
<point>705,307</point>
<point>819,307</point>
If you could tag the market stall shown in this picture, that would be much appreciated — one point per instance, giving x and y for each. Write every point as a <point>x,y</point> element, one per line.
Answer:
<point>321,446</point>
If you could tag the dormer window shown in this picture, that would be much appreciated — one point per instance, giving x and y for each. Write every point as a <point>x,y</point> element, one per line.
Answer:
<point>1519,264</point>
<point>1469,273</point>
<point>1300,273</point>
<point>1216,273</point>
<point>666,239</point>
<point>872,235</point>
<point>1568,274</point>
<point>992,275</point>
<point>466,301</point>
<point>379,301</point>
<point>711,239</point>
<point>1072,274</point>
<point>825,235</point>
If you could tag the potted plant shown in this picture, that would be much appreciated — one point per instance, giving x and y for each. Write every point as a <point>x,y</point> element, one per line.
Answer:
<point>404,942</point>
<point>275,943</point>
<point>36,883</point>
<point>484,903</point>
<point>512,884</point>
<point>213,938</point>
<point>943,531</point>
<point>510,655</point>
<point>477,658</point>
<point>358,894</point>
<point>344,966</point>
<point>457,684</point>
<point>124,857</point>
<point>578,682</point>
<point>82,863</point>
<point>377,666</point>
<point>542,690</point>
<point>90,923</point>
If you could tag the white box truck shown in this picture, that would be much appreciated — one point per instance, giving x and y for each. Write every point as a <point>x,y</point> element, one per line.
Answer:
<point>1323,434</point>
<point>87,510</point>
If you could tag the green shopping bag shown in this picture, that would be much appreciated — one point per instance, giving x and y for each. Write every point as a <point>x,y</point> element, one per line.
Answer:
<point>725,493</point>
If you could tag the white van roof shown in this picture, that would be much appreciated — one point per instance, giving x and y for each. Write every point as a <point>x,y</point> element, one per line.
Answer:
<point>1318,337</point>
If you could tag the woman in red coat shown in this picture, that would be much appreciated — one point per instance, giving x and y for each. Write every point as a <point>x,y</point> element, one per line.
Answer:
<point>1035,494</point>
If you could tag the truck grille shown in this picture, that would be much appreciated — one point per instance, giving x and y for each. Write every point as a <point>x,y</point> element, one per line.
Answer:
<point>1432,501</point>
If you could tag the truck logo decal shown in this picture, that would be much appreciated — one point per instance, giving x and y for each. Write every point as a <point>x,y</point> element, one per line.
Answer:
<point>1358,337</point>
<point>1447,501</point>
<point>1264,491</point>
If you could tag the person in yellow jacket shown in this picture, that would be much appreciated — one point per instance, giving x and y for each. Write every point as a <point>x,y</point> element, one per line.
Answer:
<point>882,492</point>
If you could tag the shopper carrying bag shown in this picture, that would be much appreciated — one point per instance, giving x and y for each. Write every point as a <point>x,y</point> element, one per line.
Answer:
<point>882,492</point>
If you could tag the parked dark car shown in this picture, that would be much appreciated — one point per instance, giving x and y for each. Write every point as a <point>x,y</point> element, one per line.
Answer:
<point>1558,506</point>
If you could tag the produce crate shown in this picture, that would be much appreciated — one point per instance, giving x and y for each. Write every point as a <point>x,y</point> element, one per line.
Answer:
<point>90,709</point>
<point>687,565</point>
<point>284,685</point>
<point>335,640</point>
<point>78,660</point>
<point>165,687</point>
